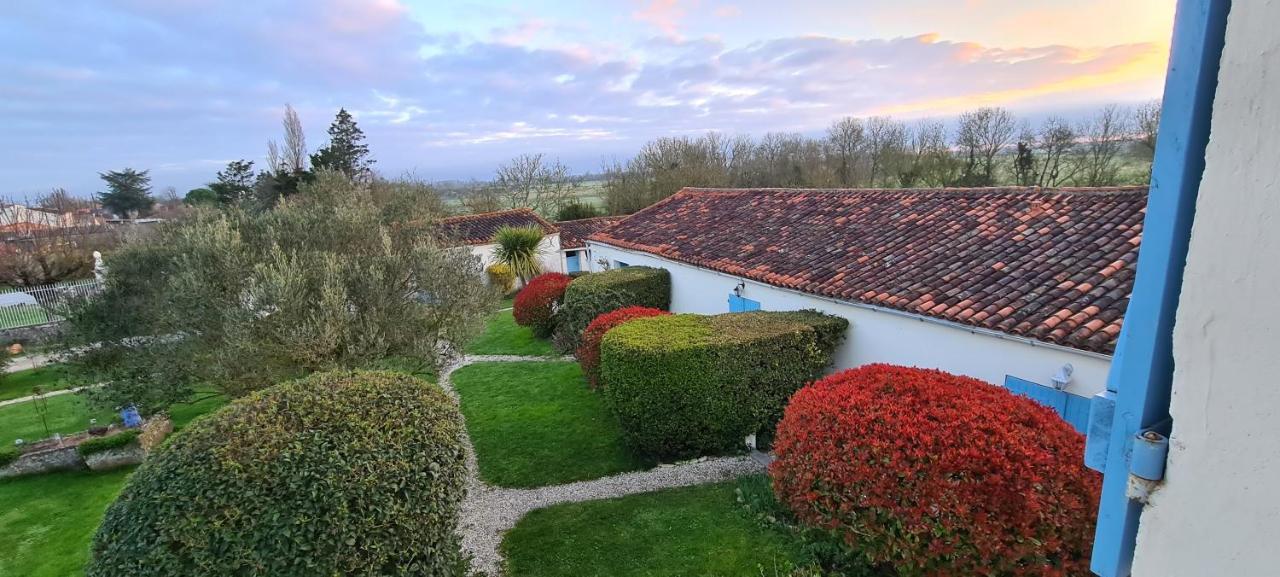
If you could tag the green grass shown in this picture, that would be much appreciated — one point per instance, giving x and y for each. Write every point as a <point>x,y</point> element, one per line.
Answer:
<point>19,384</point>
<point>502,336</point>
<point>67,414</point>
<point>537,423</point>
<point>695,531</point>
<point>47,521</point>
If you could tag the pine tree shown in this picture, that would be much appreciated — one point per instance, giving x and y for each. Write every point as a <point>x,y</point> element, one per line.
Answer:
<point>346,152</point>
<point>128,192</point>
<point>235,182</point>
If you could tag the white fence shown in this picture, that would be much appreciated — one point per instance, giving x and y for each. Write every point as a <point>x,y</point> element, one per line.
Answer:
<point>38,305</point>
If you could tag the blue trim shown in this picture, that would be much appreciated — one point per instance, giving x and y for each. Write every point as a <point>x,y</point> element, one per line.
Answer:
<point>1073,409</point>
<point>1142,369</point>
<point>571,262</point>
<point>738,304</point>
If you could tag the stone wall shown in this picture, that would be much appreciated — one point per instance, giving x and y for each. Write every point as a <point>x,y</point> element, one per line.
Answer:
<point>33,335</point>
<point>44,461</point>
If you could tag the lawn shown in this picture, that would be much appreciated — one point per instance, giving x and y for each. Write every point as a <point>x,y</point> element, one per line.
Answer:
<point>502,336</point>
<point>67,414</point>
<point>47,521</point>
<point>696,531</point>
<point>19,384</point>
<point>537,423</point>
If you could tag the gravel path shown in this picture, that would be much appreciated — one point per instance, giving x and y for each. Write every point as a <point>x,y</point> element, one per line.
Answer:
<point>488,512</point>
<point>31,361</point>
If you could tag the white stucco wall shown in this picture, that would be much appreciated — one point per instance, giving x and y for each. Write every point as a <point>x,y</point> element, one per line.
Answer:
<point>883,336</point>
<point>549,249</point>
<point>1218,512</point>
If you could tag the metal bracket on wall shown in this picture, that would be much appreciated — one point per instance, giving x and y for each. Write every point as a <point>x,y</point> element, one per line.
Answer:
<point>1146,464</point>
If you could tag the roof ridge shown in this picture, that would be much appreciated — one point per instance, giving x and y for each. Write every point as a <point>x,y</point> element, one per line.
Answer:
<point>489,214</point>
<point>1074,190</point>
<point>589,218</point>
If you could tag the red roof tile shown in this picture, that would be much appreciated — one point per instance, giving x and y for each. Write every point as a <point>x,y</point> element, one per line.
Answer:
<point>1055,265</point>
<point>574,233</point>
<point>477,229</point>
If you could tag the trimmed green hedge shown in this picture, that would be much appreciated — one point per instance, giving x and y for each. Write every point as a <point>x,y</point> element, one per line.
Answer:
<point>340,473</point>
<point>100,444</point>
<point>687,385</point>
<point>592,295</point>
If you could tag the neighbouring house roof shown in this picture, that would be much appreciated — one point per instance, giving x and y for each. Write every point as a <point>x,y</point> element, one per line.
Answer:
<point>475,229</point>
<point>1054,265</point>
<point>574,233</point>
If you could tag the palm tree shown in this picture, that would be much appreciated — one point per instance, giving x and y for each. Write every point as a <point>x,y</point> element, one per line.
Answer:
<point>518,248</point>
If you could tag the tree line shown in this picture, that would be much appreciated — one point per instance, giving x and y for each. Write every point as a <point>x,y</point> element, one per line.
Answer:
<point>984,147</point>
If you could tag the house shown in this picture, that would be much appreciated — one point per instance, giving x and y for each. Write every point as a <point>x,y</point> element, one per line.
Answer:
<point>1023,287</point>
<point>476,231</point>
<point>573,240</point>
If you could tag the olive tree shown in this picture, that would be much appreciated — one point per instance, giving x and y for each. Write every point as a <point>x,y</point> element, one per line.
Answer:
<point>241,300</point>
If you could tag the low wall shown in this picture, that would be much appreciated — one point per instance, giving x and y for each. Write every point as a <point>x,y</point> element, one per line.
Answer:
<point>44,461</point>
<point>32,335</point>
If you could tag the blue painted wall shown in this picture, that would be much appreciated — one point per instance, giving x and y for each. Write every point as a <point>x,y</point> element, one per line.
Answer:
<point>738,304</point>
<point>1073,409</point>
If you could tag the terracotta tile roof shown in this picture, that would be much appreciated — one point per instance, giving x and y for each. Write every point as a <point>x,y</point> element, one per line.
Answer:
<point>1055,265</point>
<point>574,233</point>
<point>477,229</point>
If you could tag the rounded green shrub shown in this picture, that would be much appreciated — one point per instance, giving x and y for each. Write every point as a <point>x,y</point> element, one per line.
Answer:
<point>686,385</point>
<point>340,473</point>
<point>592,295</point>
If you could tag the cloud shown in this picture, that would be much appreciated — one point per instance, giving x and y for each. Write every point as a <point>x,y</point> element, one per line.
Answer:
<point>665,15</point>
<point>157,84</point>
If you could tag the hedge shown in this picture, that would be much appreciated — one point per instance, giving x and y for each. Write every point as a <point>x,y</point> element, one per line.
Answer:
<point>592,295</point>
<point>100,444</point>
<point>936,474</point>
<point>9,455</point>
<point>588,352</point>
<point>340,473</point>
<point>536,303</point>
<point>686,385</point>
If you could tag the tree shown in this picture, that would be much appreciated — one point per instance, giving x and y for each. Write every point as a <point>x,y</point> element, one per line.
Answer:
<point>287,162</point>
<point>847,140</point>
<point>203,196</point>
<point>531,181</point>
<point>982,134</point>
<point>61,201</point>
<point>1146,121</point>
<point>886,145</point>
<point>45,255</point>
<point>519,248</point>
<point>1056,144</point>
<point>576,210</point>
<point>1024,163</point>
<point>481,197</point>
<point>128,192</point>
<point>346,151</point>
<point>241,300</point>
<point>1105,136</point>
<point>235,183</point>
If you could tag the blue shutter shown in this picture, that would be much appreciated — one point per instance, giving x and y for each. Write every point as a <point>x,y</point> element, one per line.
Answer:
<point>571,262</point>
<point>738,304</point>
<point>1073,409</point>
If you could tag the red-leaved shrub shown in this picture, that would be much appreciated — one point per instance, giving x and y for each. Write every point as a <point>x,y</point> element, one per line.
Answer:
<point>588,353</point>
<point>535,305</point>
<point>936,474</point>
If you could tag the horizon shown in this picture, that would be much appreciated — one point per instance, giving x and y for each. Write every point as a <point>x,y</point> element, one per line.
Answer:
<point>450,92</point>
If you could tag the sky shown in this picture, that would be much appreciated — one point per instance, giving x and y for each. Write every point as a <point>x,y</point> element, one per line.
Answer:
<point>449,90</point>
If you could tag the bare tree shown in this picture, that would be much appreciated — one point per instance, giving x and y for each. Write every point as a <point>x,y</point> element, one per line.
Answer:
<point>1146,120</point>
<point>529,180</point>
<point>886,146</point>
<point>1056,142</point>
<point>481,197</point>
<point>292,157</point>
<point>982,134</point>
<point>847,139</point>
<point>60,200</point>
<point>1105,136</point>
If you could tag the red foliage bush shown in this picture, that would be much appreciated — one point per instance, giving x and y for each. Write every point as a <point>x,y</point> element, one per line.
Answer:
<point>588,353</point>
<point>937,474</point>
<point>535,305</point>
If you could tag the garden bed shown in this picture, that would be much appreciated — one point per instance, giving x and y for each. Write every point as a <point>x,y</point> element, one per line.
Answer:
<point>537,423</point>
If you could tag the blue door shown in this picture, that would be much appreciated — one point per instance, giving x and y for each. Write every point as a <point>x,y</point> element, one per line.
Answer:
<point>571,261</point>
